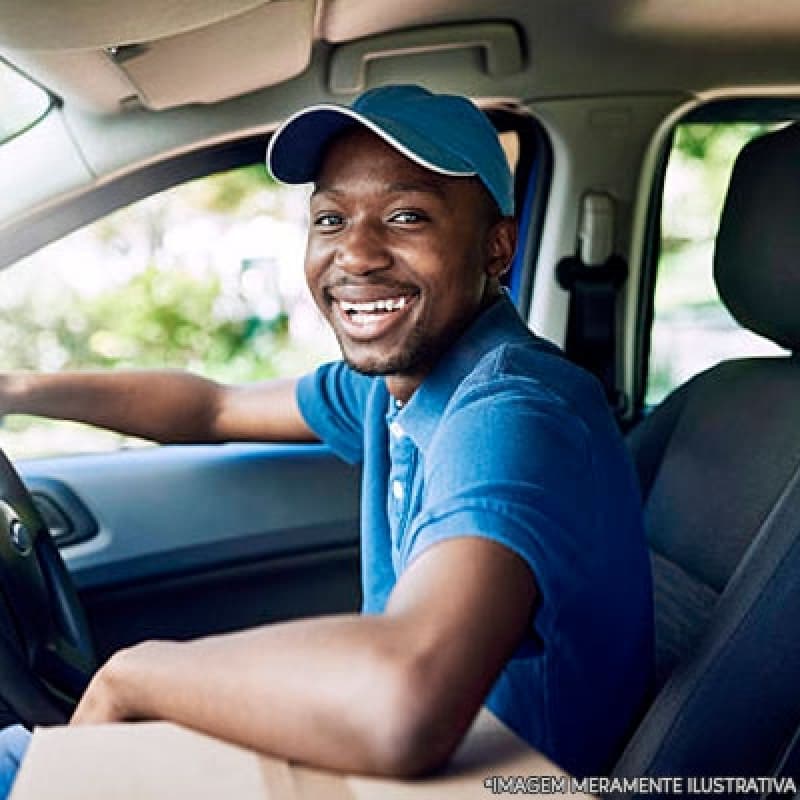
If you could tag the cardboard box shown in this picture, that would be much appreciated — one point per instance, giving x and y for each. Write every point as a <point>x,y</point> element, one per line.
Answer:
<point>162,761</point>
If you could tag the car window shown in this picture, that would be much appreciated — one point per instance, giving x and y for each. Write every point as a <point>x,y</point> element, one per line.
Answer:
<point>205,276</point>
<point>692,330</point>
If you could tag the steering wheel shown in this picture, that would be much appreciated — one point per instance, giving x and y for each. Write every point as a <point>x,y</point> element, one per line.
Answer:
<point>46,652</point>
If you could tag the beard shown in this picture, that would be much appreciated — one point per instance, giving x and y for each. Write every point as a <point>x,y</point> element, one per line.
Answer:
<point>418,355</point>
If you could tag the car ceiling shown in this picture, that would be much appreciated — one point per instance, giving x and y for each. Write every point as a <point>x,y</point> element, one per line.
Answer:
<point>166,53</point>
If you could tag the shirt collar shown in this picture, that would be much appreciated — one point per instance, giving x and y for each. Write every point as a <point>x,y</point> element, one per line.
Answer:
<point>498,324</point>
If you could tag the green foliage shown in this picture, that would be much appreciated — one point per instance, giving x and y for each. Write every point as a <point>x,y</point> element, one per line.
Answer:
<point>716,143</point>
<point>157,319</point>
<point>149,286</point>
<point>160,318</point>
<point>171,312</point>
<point>229,192</point>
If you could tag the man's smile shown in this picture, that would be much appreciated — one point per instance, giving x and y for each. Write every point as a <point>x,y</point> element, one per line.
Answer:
<point>364,318</point>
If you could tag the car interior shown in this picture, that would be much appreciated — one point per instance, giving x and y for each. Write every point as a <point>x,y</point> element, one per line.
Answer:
<point>601,106</point>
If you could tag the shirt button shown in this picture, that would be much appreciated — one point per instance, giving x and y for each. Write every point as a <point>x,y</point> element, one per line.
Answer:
<point>396,430</point>
<point>397,490</point>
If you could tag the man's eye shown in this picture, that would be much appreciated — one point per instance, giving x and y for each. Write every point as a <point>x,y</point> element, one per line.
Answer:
<point>406,217</point>
<point>328,220</point>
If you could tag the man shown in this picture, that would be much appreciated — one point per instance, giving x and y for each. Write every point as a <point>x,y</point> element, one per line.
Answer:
<point>503,555</point>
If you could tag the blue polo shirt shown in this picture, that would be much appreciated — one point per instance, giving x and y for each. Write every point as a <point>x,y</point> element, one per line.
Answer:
<point>507,440</point>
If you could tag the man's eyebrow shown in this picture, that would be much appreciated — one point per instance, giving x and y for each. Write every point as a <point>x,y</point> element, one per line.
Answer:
<point>432,187</point>
<point>321,188</point>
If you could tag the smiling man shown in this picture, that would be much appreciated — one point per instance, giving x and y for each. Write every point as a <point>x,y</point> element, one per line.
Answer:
<point>503,555</point>
<point>420,262</point>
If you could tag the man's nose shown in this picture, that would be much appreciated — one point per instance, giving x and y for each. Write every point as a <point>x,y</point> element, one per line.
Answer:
<point>362,249</point>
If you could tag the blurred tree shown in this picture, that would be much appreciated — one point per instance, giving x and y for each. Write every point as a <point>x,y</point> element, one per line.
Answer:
<point>230,192</point>
<point>158,319</point>
<point>165,295</point>
<point>717,142</point>
<point>166,313</point>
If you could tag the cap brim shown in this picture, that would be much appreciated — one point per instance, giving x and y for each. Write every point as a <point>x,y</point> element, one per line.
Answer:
<point>295,151</point>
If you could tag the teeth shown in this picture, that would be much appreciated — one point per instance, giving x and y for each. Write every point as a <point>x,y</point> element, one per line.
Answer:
<point>390,304</point>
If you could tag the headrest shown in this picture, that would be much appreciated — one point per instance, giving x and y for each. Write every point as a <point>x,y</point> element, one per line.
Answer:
<point>757,254</point>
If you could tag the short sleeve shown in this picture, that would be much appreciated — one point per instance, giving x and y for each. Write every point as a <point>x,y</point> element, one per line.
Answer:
<point>512,464</point>
<point>333,402</point>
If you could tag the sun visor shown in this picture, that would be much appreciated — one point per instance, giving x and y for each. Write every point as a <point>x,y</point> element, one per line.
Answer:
<point>252,45</point>
<point>261,47</point>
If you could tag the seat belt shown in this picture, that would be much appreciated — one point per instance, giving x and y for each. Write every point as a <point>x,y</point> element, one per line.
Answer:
<point>788,766</point>
<point>593,277</point>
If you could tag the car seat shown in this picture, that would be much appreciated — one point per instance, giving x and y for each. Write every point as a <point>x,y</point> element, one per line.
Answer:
<point>719,464</point>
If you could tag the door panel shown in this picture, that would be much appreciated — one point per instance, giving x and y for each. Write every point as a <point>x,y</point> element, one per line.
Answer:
<point>200,539</point>
<point>231,598</point>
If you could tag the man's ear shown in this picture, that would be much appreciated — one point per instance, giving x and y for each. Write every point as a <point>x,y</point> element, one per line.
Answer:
<point>501,244</point>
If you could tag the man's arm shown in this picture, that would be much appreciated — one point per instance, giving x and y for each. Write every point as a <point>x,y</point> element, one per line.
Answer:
<point>166,406</point>
<point>390,694</point>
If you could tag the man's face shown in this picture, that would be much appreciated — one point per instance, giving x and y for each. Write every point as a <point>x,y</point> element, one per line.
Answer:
<point>399,259</point>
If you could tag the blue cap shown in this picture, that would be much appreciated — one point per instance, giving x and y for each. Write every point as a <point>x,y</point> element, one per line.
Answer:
<point>442,132</point>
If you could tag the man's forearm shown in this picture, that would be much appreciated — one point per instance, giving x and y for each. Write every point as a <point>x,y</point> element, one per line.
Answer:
<point>162,405</point>
<point>167,406</point>
<point>331,691</point>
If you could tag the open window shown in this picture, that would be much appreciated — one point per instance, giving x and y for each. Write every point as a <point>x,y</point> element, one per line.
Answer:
<point>688,329</point>
<point>205,276</point>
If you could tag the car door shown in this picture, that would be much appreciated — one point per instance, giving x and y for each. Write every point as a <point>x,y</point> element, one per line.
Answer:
<point>187,540</point>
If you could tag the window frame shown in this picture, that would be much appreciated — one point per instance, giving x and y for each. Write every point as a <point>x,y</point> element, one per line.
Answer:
<point>532,180</point>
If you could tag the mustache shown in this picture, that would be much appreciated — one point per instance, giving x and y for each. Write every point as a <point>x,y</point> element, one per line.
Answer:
<point>355,283</point>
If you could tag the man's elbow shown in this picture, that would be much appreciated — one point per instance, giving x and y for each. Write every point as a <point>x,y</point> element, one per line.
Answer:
<point>413,731</point>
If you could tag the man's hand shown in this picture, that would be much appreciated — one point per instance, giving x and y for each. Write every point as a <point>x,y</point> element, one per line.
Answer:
<point>388,694</point>
<point>100,702</point>
<point>108,697</point>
